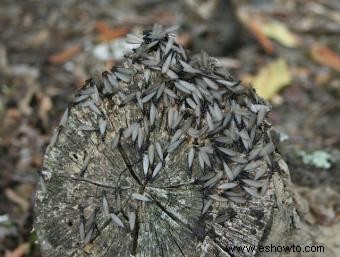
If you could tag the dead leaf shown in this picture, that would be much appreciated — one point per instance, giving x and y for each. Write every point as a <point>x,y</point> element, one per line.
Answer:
<point>261,37</point>
<point>325,56</point>
<point>45,105</point>
<point>247,79</point>
<point>39,37</point>
<point>271,78</point>
<point>184,39</point>
<point>25,191</point>
<point>12,117</point>
<point>323,78</point>
<point>323,202</point>
<point>279,32</point>
<point>107,34</point>
<point>13,114</point>
<point>301,72</point>
<point>37,160</point>
<point>65,55</point>
<point>262,28</point>
<point>255,28</point>
<point>25,102</point>
<point>16,198</point>
<point>19,251</point>
<point>111,63</point>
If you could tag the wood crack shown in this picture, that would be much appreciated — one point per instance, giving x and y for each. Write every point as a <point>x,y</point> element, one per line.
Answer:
<point>128,164</point>
<point>135,234</point>
<point>90,181</point>
<point>171,215</point>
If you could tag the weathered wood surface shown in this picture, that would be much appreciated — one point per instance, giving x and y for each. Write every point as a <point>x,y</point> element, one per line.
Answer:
<point>182,231</point>
<point>92,188</point>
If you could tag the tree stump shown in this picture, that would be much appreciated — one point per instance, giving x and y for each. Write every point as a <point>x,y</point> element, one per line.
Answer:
<point>165,155</point>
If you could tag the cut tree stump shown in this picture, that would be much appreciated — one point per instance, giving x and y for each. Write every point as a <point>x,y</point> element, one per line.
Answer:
<point>120,178</point>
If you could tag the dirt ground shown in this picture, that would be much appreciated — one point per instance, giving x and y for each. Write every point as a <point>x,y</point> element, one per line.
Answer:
<point>289,53</point>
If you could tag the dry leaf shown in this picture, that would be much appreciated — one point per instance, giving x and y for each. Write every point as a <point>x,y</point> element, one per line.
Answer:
<point>65,54</point>
<point>323,202</point>
<point>271,78</point>
<point>13,114</point>
<point>19,251</point>
<point>45,105</point>
<point>253,24</point>
<point>263,27</point>
<point>16,198</point>
<point>40,37</point>
<point>278,31</point>
<point>107,34</point>
<point>25,102</point>
<point>184,39</point>
<point>261,37</point>
<point>325,56</point>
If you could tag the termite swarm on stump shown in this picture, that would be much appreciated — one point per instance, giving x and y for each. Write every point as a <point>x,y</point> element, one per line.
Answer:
<point>167,142</point>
